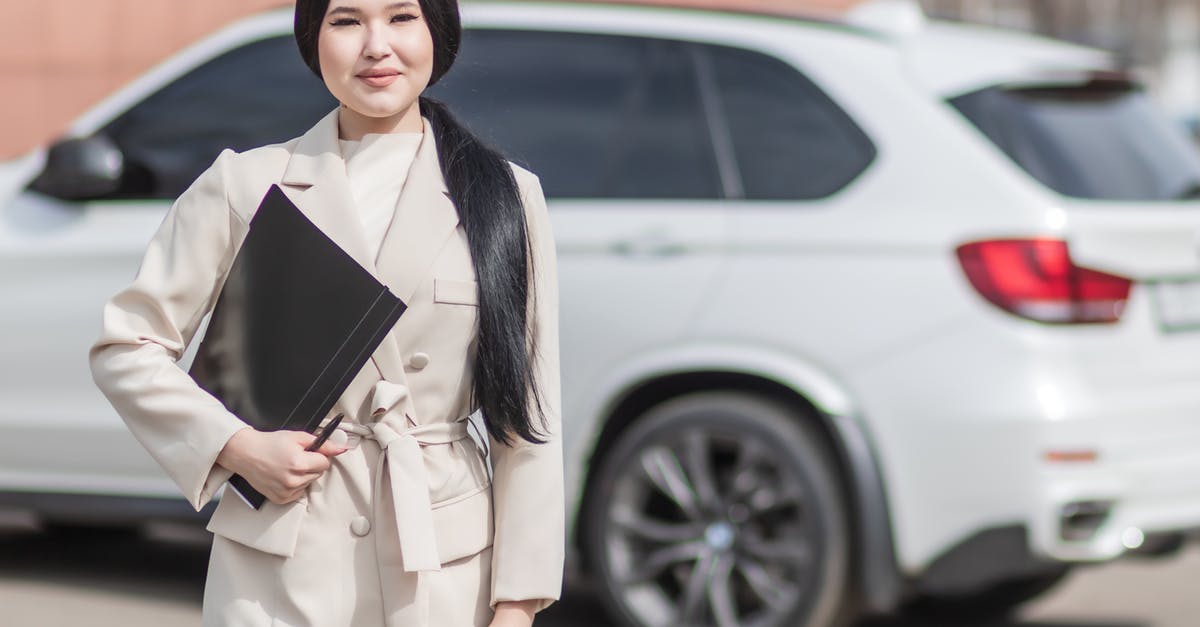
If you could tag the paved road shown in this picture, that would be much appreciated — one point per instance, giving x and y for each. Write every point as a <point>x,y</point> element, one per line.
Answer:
<point>51,581</point>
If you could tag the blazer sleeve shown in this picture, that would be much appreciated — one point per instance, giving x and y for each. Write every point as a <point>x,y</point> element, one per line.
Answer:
<point>146,327</point>
<point>529,544</point>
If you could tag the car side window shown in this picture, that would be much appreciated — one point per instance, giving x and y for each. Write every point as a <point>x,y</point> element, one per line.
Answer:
<point>790,140</point>
<point>258,94</point>
<point>596,116</point>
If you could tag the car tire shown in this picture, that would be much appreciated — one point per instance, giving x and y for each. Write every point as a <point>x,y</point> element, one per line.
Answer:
<point>720,508</point>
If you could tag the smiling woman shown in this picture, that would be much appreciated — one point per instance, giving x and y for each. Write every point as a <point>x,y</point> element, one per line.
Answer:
<point>376,60</point>
<point>397,521</point>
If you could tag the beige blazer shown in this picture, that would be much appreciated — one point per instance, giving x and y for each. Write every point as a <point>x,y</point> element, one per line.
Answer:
<point>411,397</point>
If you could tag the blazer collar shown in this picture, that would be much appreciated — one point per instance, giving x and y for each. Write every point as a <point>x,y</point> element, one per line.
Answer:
<point>424,217</point>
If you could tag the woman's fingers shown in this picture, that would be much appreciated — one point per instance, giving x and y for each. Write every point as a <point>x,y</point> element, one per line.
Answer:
<point>302,466</point>
<point>311,463</point>
<point>331,449</point>
<point>335,445</point>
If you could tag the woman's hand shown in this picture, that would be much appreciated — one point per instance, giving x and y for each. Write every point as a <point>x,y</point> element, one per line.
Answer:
<point>513,614</point>
<point>275,462</point>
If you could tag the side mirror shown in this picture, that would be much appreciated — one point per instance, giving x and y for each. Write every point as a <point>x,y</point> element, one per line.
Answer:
<point>78,168</point>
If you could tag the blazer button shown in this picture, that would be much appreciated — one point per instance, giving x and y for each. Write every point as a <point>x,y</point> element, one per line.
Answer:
<point>360,526</point>
<point>418,360</point>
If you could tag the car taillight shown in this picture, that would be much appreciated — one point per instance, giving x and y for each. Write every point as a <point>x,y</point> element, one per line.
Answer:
<point>1036,279</point>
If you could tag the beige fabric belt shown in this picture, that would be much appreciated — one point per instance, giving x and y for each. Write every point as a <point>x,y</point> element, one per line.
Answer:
<point>401,444</point>
<point>401,456</point>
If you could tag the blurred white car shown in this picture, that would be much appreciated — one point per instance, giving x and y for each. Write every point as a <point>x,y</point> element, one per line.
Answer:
<point>926,297</point>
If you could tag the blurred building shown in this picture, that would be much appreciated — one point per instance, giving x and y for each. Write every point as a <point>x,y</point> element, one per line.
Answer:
<point>59,57</point>
<point>1160,39</point>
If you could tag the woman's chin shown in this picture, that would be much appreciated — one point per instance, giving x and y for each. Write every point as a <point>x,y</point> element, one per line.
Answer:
<point>380,106</point>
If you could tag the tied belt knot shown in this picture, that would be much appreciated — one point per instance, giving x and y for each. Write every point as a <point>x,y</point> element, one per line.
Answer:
<point>401,455</point>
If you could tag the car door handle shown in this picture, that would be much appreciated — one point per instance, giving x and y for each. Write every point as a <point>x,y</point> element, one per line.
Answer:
<point>649,244</point>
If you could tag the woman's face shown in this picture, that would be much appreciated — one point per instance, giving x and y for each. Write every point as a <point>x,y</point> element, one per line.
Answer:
<point>361,38</point>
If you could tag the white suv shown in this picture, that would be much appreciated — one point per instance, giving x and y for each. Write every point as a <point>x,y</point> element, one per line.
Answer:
<point>852,316</point>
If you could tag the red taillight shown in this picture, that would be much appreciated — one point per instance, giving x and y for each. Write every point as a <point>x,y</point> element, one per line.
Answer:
<point>1035,279</point>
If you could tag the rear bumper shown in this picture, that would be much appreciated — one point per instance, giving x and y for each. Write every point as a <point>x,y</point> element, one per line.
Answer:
<point>965,425</point>
<point>978,502</point>
<point>1144,481</point>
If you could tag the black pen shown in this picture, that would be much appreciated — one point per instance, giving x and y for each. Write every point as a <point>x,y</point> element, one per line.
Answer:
<point>328,431</point>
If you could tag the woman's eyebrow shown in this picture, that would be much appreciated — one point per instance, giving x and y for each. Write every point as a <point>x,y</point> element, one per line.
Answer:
<point>355,11</point>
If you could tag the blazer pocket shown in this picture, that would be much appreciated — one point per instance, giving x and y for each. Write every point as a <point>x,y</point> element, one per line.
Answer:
<point>456,291</point>
<point>463,524</point>
<point>273,529</point>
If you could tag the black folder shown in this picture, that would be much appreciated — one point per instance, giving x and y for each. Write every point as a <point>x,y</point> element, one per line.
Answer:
<point>295,321</point>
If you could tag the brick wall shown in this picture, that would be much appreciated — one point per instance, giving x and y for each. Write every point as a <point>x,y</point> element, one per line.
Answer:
<point>58,57</point>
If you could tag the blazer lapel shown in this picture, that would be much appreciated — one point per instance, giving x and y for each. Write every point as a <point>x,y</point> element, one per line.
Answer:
<point>424,218</point>
<point>317,168</point>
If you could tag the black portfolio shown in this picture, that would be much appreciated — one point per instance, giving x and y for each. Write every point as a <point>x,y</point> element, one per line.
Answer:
<point>296,320</point>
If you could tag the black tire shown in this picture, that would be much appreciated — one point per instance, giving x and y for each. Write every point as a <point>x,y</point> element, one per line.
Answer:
<point>994,603</point>
<point>773,539</point>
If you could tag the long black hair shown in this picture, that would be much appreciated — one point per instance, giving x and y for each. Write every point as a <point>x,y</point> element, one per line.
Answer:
<point>489,205</point>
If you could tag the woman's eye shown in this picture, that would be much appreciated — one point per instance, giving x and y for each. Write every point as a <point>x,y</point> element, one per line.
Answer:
<point>403,17</point>
<point>343,22</point>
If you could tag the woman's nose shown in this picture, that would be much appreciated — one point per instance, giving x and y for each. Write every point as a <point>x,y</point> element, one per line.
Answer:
<point>377,44</point>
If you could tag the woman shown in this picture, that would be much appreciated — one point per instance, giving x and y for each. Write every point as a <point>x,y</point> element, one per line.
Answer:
<point>396,520</point>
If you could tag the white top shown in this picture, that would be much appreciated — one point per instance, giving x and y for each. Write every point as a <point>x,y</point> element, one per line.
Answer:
<point>377,166</point>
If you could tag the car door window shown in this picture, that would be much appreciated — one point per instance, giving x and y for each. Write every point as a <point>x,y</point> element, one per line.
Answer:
<point>790,139</point>
<point>596,116</point>
<point>258,94</point>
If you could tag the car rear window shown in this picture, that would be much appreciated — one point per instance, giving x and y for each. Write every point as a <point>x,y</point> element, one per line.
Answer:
<point>1101,140</point>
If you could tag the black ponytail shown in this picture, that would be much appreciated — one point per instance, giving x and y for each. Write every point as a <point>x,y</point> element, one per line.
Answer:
<point>490,208</point>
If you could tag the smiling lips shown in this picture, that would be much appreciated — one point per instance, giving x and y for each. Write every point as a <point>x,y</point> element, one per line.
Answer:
<point>379,78</point>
